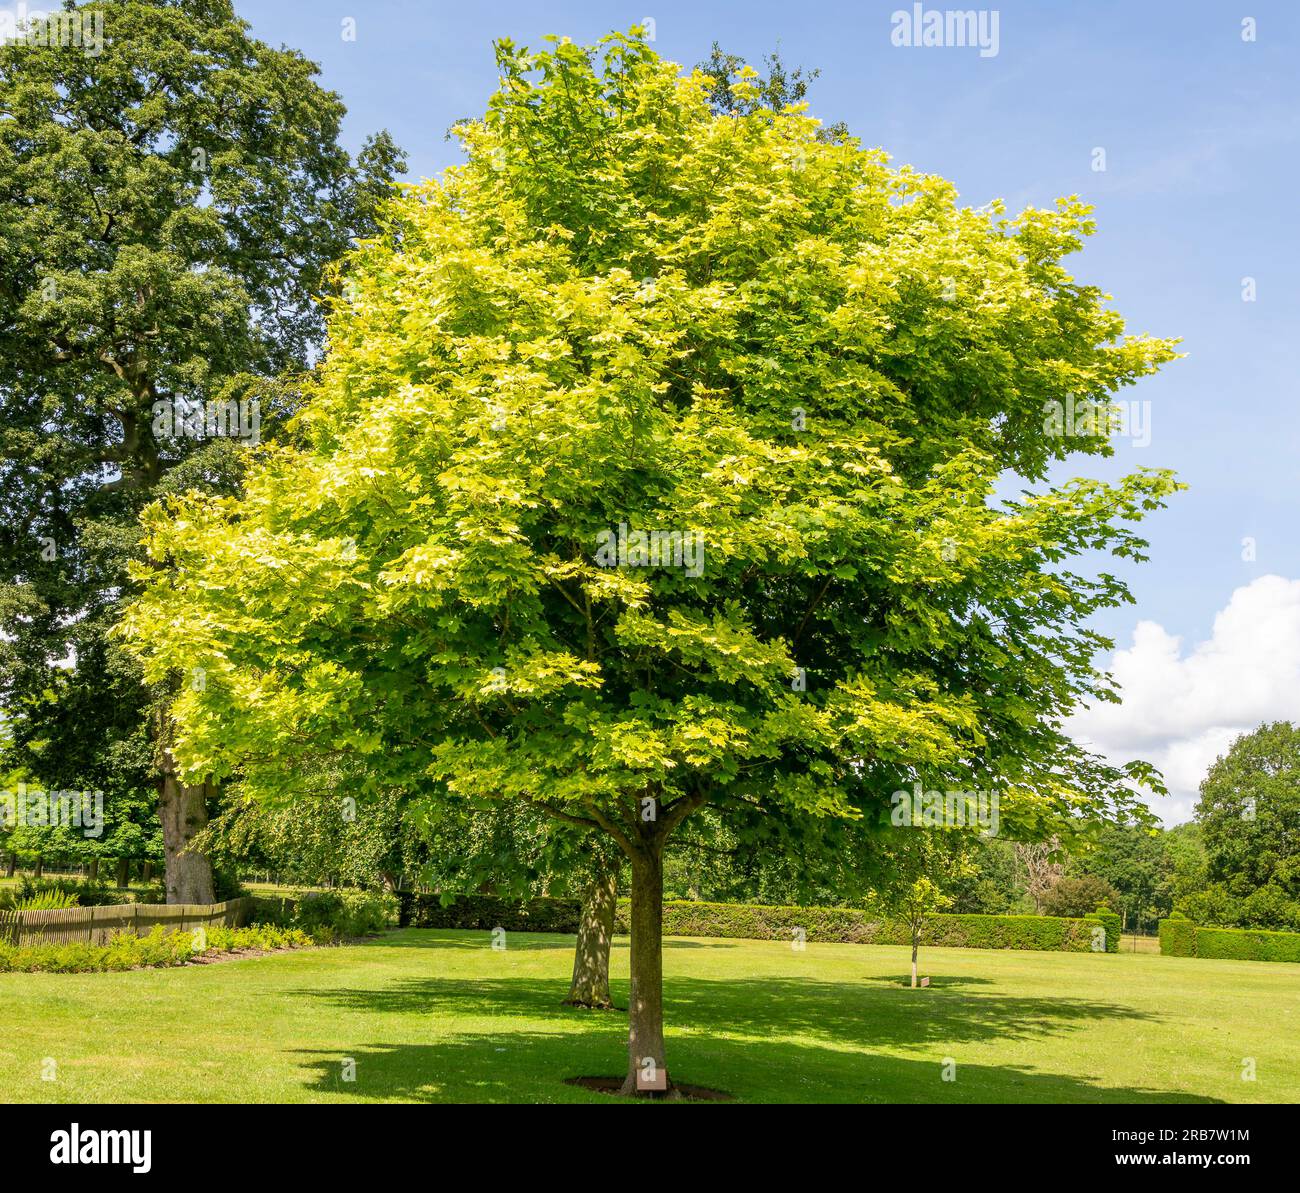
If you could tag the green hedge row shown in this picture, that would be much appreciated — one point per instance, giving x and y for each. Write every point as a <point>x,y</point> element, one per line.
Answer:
<point>845,925</point>
<point>748,921</point>
<point>1183,938</point>
<point>488,912</point>
<point>1113,925</point>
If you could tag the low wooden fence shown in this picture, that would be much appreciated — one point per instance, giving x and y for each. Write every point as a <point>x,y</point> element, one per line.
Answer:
<point>94,925</point>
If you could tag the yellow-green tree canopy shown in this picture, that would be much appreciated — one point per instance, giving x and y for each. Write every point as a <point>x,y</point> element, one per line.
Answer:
<point>624,314</point>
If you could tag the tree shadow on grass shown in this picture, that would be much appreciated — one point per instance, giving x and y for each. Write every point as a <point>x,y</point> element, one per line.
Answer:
<point>516,1066</point>
<point>853,1014</point>
<point>471,938</point>
<point>937,982</point>
<point>762,1038</point>
<point>478,938</point>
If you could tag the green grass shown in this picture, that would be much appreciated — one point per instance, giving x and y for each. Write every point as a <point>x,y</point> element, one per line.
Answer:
<point>439,1016</point>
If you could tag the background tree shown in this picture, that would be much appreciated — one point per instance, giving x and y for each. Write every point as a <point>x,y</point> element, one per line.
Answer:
<point>514,851</point>
<point>780,88</point>
<point>168,208</point>
<point>1042,865</point>
<point>922,865</point>
<point>1182,870</point>
<point>625,312</point>
<point>1249,817</point>
<point>1131,861</point>
<point>988,885</point>
<point>320,837</point>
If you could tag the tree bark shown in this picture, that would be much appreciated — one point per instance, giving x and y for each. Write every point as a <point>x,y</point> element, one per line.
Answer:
<point>40,867</point>
<point>123,873</point>
<point>92,870</point>
<point>916,940</point>
<point>645,1037</point>
<point>184,811</point>
<point>590,984</point>
<point>11,865</point>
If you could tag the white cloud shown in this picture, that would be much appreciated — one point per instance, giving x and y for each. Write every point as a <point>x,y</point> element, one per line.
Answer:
<point>1181,710</point>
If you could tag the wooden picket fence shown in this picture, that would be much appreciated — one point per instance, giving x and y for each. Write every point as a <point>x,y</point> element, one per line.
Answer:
<point>94,925</point>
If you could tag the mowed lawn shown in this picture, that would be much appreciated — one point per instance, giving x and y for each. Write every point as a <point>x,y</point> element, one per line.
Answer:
<point>440,1016</point>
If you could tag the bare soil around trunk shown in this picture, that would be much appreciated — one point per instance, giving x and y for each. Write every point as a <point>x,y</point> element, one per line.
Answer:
<point>678,1093</point>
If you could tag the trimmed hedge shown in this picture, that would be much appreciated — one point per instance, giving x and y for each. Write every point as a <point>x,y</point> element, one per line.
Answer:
<point>1177,937</point>
<point>750,921</point>
<point>846,925</point>
<point>1183,938</point>
<point>1112,923</point>
<point>488,912</point>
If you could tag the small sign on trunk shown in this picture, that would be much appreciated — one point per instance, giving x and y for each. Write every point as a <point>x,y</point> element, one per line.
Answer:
<point>651,1076</point>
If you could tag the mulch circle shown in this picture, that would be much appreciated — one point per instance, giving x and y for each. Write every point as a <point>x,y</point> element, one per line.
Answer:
<point>680,1091</point>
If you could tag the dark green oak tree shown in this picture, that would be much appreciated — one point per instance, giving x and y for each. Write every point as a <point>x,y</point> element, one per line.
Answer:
<point>1249,817</point>
<point>168,208</point>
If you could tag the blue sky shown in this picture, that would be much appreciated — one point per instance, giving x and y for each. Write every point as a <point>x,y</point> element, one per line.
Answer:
<point>1199,129</point>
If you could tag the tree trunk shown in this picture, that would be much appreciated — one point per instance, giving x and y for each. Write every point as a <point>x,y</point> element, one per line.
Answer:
<point>590,984</point>
<point>40,867</point>
<point>123,873</point>
<point>645,1015</point>
<point>916,940</point>
<point>92,870</point>
<point>11,865</point>
<point>184,812</point>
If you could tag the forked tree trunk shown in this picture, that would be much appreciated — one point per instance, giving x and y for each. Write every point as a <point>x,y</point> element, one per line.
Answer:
<point>645,1039</point>
<point>184,811</point>
<point>590,984</point>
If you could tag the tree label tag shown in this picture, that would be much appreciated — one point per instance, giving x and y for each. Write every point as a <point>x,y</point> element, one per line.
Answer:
<point>650,1076</point>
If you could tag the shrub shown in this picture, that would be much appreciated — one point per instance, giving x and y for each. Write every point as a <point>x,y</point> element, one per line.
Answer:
<point>160,948</point>
<point>226,885</point>
<point>46,901</point>
<point>74,892</point>
<point>256,936</point>
<point>1181,937</point>
<point>330,915</point>
<point>124,951</point>
<point>1079,896</point>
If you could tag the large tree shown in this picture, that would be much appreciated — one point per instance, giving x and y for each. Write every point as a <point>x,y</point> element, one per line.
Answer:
<point>168,207</point>
<point>624,314</point>
<point>1249,816</point>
